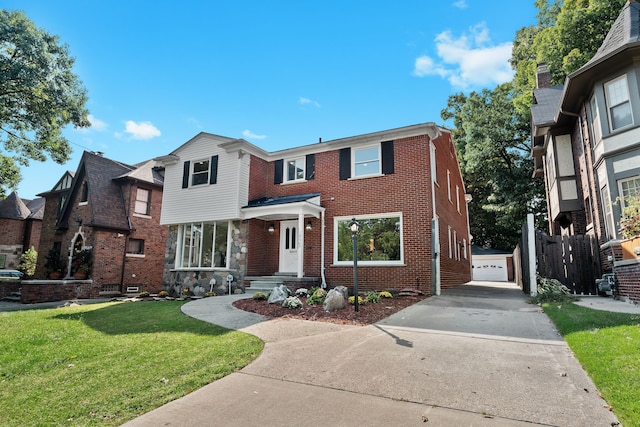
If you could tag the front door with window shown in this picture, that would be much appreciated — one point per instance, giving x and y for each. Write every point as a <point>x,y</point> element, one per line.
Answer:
<point>288,246</point>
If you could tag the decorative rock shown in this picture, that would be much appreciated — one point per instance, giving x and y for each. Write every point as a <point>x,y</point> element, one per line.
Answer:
<point>334,301</point>
<point>278,295</point>
<point>343,290</point>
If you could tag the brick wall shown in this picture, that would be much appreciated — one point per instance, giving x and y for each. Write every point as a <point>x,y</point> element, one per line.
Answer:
<point>42,291</point>
<point>628,278</point>
<point>407,190</point>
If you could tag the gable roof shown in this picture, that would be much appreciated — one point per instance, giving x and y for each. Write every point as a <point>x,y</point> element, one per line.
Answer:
<point>36,206</point>
<point>619,47</point>
<point>106,201</point>
<point>14,208</point>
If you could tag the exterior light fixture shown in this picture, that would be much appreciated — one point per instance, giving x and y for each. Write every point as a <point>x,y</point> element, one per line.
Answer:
<point>353,226</point>
<point>309,226</point>
<point>271,229</point>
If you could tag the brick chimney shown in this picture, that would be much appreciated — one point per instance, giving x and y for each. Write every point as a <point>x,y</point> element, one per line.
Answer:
<point>543,78</point>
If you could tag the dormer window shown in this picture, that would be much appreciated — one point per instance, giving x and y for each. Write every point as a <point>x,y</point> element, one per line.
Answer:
<point>84,193</point>
<point>618,103</point>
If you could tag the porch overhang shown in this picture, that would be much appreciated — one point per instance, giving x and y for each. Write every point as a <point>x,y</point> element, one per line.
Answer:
<point>285,207</point>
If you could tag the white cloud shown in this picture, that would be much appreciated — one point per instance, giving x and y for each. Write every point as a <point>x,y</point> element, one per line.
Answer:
<point>469,60</point>
<point>302,100</point>
<point>461,4</point>
<point>96,124</point>
<point>250,135</point>
<point>142,130</point>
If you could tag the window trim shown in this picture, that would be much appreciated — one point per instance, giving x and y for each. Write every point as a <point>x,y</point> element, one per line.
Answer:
<point>285,171</point>
<point>192,172</point>
<point>180,246</point>
<point>610,106</point>
<point>135,254</point>
<point>378,159</point>
<point>338,219</point>
<point>621,192</point>
<point>147,203</point>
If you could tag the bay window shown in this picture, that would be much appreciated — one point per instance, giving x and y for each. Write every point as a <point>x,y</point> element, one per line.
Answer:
<point>202,245</point>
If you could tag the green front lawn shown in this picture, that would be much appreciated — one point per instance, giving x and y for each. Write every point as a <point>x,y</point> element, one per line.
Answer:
<point>607,345</point>
<point>108,363</point>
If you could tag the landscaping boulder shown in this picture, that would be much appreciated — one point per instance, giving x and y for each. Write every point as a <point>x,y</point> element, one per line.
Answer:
<point>335,300</point>
<point>344,291</point>
<point>278,295</point>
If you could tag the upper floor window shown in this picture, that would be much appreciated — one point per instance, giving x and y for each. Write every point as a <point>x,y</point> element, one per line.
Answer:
<point>142,201</point>
<point>595,124</point>
<point>200,172</point>
<point>449,184</point>
<point>84,196</point>
<point>295,170</point>
<point>135,247</point>
<point>618,103</point>
<point>366,161</point>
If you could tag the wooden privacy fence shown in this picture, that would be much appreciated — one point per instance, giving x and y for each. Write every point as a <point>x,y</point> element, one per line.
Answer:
<point>573,260</point>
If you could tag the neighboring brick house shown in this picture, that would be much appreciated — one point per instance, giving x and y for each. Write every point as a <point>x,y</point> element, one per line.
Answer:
<point>586,143</point>
<point>20,225</point>
<point>113,210</point>
<point>232,207</point>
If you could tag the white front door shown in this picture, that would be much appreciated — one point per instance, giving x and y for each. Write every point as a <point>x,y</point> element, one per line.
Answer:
<point>288,246</point>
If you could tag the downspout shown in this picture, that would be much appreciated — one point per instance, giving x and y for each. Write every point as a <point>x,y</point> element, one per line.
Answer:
<point>322,268</point>
<point>435,229</point>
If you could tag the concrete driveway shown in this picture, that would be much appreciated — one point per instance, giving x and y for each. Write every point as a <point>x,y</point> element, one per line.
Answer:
<point>476,356</point>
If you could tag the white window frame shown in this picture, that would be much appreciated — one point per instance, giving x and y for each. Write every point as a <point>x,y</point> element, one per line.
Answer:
<point>135,254</point>
<point>449,184</point>
<point>297,161</point>
<point>608,213</point>
<point>611,106</point>
<point>355,163</point>
<point>338,219</point>
<point>458,198</point>
<point>193,172</point>
<point>180,247</point>
<point>624,194</point>
<point>139,202</point>
<point>595,122</point>
<point>450,246</point>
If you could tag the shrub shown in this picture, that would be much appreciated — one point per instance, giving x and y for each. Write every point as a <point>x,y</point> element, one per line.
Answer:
<point>292,302</point>
<point>211,294</point>
<point>302,292</point>
<point>385,294</point>
<point>352,300</point>
<point>144,294</point>
<point>259,296</point>
<point>372,297</point>
<point>630,221</point>
<point>317,297</point>
<point>551,290</point>
<point>313,290</point>
<point>163,294</point>
<point>28,262</point>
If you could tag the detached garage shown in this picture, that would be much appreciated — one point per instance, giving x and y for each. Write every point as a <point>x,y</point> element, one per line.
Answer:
<point>491,265</point>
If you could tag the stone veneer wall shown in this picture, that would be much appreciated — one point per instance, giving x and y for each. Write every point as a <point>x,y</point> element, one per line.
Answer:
<point>199,282</point>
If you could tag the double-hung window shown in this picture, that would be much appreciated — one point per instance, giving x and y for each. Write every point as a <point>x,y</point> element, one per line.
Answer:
<point>379,240</point>
<point>295,170</point>
<point>142,201</point>
<point>202,245</point>
<point>618,103</point>
<point>135,247</point>
<point>628,188</point>
<point>366,161</point>
<point>200,173</point>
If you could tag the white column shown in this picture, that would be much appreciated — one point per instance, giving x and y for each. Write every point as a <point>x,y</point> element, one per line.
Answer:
<point>300,245</point>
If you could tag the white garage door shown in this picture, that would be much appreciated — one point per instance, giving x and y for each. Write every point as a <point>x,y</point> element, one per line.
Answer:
<point>490,269</point>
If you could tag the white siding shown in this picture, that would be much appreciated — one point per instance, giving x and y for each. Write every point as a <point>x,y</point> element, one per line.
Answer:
<point>220,201</point>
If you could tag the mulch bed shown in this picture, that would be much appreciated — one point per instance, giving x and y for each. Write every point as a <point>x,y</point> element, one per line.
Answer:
<point>368,313</point>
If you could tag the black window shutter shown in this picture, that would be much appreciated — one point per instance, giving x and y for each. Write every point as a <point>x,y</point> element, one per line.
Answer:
<point>185,174</point>
<point>213,173</point>
<point>310,167</point>
<point>345,163</point>
<point>277,171</point>
<point>387,157</point>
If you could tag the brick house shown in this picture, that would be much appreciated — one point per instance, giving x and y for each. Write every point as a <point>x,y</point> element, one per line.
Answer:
<point>113,210</point>
<point>233,208</point>
<point>20,226</point>
<point>586,145</point>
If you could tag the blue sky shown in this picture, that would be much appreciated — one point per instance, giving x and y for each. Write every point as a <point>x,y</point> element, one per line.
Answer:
<point>277,73</point>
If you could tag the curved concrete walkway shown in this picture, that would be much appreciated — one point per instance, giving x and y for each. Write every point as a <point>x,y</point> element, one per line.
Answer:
<point>477,355</point>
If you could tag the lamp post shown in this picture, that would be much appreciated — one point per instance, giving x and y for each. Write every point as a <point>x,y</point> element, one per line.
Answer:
<point>353,225</point>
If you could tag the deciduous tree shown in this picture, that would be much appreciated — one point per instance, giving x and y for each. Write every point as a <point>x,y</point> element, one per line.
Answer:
<point>39,96</point>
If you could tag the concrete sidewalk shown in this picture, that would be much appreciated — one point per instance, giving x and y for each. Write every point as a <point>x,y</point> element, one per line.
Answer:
<point>477,355</point>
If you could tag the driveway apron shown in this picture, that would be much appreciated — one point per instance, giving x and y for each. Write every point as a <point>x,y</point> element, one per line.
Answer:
<point>477,355</point>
